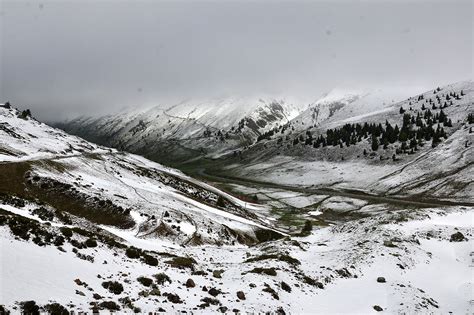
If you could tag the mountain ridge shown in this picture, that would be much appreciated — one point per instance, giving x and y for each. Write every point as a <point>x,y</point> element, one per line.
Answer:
<point>228,124</point>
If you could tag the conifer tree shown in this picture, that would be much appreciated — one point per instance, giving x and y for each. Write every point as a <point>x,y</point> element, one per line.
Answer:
<point>375,143</point>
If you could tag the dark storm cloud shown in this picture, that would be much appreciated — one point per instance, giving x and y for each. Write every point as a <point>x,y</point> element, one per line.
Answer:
<point>67,58</point>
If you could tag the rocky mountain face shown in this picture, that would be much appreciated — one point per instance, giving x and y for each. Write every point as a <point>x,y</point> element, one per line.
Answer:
<point>187,130</point>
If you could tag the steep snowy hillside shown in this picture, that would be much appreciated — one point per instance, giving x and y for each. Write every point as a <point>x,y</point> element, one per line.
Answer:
<point>189,129</point>
<point>348,103</point>
<point>85,228</point>
<point>421,146</point>
<point>43,163</point>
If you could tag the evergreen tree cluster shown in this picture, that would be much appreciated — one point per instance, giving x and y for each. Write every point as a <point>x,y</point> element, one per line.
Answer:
<point>24,114</point>
<point>416,128</point>
<point>414,132</point>
<point>6,105</point>
<point>218,135</point>
<point>441,100</point>
<point>269,134</point>
<point>470,118</point>
<point>266,135</point>
<point>207,133</point>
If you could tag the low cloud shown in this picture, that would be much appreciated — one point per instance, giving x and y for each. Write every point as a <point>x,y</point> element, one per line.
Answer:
<point>69,58</point>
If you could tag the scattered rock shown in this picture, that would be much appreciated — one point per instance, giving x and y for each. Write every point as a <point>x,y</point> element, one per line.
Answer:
<point>173,298</point>
<point>161,278</point>
<point>190,283</point>
<point>389,243</point>
<point>182,262</point>
<point>457,237</point>
<point>90,242</point>
<point>241,295</point>
<point>210,301</point>
<point>199,273</point>
<point>378,308</point>
<point>214,292</point>
<point>29,307</point>
<point>312,282</point>
<point>267,271</point>
<point>344,273</point>
<point>207,301</point>
<point>271,291</point>
<point>149,260</point>
<point>54,308</point>
<point>155,291</point>
<point>285,286</point>
<point>78,281</point>
<point>145,281</point>
<point>97,296</point>
<point>113,286</point>
<point>381,280</point>
<point>110,305</point>
<point>95,309</point>
<point>217,273</point>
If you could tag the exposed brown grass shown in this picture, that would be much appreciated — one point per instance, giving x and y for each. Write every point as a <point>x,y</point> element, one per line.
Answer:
<point>13,182</point>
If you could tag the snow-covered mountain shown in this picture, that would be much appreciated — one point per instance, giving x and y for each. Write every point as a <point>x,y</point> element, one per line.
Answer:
<point>348,103</point>
<point>216,127</point>
<point>419,146</point>
<point>191,128</point>
<point>86,228</point>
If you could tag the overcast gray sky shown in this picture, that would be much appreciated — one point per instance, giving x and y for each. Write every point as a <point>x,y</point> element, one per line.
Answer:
<point>64,58</point>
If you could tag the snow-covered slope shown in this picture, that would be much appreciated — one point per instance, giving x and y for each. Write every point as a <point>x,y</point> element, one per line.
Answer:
<point>55,164</point>
<point>348,103</point>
